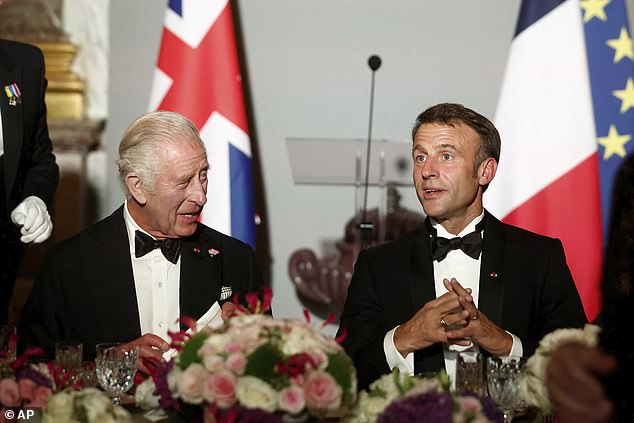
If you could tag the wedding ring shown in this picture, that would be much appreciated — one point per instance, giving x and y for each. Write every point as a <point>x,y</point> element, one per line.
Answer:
<point>443,323</point>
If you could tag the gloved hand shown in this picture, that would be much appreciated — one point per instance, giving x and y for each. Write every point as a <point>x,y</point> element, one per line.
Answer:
<point>31,214</point>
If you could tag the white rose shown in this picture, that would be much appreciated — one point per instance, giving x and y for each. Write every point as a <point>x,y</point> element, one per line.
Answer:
<point>213,362</point>
<point>122,415</point>
<point>532,385</point>
<point>374,406</point>
<point>95,402</point>
<point>216,342</point>
<point>172,380</point>
<point>144,395</point>
<point>60,407</point>
<point>254,393</point>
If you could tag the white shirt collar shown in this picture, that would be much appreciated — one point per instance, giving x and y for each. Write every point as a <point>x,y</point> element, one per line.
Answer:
<point>441,231</point>
<point>131,227</point>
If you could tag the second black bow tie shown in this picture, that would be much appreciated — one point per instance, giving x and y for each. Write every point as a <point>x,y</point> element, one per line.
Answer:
<point>170,247</point>
<point>470,244</point>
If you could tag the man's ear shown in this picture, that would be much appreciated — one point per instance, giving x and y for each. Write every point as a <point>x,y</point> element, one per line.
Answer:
<point>136,188</point>
<point>486,171</point>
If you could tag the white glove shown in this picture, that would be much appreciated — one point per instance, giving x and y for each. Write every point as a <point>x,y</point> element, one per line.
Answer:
<point>33,216</point>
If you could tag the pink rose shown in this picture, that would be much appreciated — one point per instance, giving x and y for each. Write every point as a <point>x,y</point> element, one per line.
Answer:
<point>221,388</point>
<point>318,357</point>
<point>9,393</point>
<point>27,389</point>
<point>322,392</point>
<point>469,404</point>
<point>40,399</point>
<point>190,383</point>
<point>297,380</point>
<point>292,399</point>
<point>233,347</point>
<point>213,362</point>
<point>236,362</point>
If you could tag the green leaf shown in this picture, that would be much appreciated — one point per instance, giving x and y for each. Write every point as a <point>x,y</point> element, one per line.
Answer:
<point>189,354</point>
<point>261,364</point>
<point>340,367</point>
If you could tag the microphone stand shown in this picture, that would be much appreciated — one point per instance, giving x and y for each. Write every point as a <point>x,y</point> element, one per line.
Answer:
<point>365,226</point>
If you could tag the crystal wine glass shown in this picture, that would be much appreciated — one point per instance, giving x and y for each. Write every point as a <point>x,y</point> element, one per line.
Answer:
<point>503,382</point>
<point>116,365</point>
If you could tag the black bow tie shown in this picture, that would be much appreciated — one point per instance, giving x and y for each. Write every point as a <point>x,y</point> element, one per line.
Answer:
<point>470,244</point>
<point>143,244</point>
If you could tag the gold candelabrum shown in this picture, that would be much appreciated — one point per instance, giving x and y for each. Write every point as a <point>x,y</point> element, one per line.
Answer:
<point>65,92</point>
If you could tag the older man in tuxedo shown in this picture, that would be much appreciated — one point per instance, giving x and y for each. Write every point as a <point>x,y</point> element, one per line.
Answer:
<point>130,276</point>
<point>464,279</point>
<point>28,172</point>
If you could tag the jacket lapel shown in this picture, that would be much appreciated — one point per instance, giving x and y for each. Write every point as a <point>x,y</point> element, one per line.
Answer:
<point>112,279</point>
<point>422,287</point>
<point>422,291</point>
<point>491,291</point>
<point>201,273</point>
<point>11,121</point>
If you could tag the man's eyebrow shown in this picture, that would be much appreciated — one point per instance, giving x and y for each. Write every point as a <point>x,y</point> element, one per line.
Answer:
<point>444,146</point>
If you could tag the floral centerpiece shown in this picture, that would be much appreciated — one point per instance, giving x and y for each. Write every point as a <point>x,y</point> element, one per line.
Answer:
<point>255,368</point>
<point>400,398</point>
<point>87,405</point>
<point>26,385</point>
<point>532,386</point>
<point>46,386</point>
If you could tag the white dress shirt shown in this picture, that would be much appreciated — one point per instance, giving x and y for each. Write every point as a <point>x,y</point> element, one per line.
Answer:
<point>466,270</point>
<point>156,281</point>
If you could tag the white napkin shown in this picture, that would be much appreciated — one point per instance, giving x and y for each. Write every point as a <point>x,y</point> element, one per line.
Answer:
<point>212,319</point>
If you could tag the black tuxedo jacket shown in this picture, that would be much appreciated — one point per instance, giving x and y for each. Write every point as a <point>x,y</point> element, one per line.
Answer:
<point>29,163</point>
<point>85,289</point>
<point>525,288</point>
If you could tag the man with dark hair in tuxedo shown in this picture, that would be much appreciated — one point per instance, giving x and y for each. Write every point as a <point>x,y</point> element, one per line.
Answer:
<point>131,276</point>
<point>28,172</point>
<point>462,280</point>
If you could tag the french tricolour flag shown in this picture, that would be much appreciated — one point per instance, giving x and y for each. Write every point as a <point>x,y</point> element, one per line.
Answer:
<point>566,118</point>
<point>198,75</point>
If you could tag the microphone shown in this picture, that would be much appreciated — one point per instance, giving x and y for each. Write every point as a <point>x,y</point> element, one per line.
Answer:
<point>374,62</point>
<point>366,227</point>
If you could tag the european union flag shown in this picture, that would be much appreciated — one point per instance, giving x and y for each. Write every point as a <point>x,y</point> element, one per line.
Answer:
<point>611,66</point>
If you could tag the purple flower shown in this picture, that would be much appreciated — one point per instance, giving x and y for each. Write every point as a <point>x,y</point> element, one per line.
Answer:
<point>166,401</point>
<point>433,407</point>
<point>27,372</point>
<point>429,407</point>
<point>241,414</point>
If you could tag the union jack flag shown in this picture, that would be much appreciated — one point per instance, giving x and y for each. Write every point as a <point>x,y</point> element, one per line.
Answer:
<point>198,75</point>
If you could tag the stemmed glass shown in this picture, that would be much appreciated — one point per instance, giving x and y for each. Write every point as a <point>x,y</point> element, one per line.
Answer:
<point>116,365</point>
<point>503,382</point>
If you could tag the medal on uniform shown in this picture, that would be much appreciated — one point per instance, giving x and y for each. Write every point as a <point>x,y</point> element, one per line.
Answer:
<point>13,93</point>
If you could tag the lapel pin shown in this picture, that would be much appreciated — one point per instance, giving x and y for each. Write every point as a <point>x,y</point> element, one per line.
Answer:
<point>13,93</point>
<point>213,252</point>
<point>494,275</point>
<point>197,250</point>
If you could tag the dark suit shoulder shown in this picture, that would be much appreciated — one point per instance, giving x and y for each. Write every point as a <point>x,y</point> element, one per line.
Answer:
<point>216,237</point>
<point>395,248</point>
<point>523,237</point>
<point>21,53</point>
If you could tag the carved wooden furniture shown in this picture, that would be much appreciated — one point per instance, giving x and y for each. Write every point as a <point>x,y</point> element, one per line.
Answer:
<point>322,283</point>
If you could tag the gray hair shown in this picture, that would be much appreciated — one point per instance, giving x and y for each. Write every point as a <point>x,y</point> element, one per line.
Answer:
<point>145,138</point>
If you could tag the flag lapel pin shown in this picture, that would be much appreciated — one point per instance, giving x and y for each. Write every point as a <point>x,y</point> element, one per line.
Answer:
<point>13,93</point>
